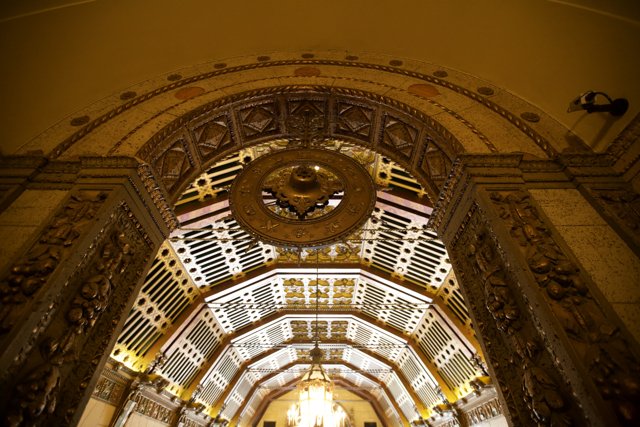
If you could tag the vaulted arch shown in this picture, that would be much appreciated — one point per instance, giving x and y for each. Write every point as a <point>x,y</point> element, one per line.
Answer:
<point>120,182</point>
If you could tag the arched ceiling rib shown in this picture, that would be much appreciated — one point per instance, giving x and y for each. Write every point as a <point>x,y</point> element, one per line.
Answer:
<point>402,408</point>
<point>258,404</point>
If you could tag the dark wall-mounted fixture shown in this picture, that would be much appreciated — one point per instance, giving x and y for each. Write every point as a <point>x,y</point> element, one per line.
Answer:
<point>587,102</point>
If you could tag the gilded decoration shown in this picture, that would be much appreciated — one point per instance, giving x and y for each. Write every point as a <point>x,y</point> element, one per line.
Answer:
<point>327,330</point>
<point>308,115</point>
<point>483,412</point>
<point>302,181</point>
<point>148,407</point>
<point>108,390</point>
<point>598,341</point>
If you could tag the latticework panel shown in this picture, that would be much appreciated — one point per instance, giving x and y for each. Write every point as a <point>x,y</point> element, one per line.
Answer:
<point>253,300</point>
<point>219,251</point>
<point>402,245</point>
<point>193,347</point>
<point>167,291</point>
<point>448,351</point>
<point>420,379</point>
<point>376,339</point>
<point>451,295</point>
<point>390,303</point>
<point>219,376</point>
<point>393,175</point>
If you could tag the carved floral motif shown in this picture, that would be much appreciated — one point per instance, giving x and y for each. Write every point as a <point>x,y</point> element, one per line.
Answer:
<point>77,339</point>
<point>597,339</point>
<point>28,275</point>
<point>539,390</point>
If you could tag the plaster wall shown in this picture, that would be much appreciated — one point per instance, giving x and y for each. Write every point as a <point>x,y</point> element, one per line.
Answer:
<point>97,414</point>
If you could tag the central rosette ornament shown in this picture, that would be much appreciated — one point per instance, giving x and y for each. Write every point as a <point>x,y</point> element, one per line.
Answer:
<point>302,197</point>
<point>303,188</point>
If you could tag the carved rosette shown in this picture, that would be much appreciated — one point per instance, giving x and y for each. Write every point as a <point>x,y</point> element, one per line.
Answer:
<point>302,181</point>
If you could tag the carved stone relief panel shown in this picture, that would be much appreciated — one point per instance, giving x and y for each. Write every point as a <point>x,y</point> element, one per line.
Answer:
<point>259,120</point>
<point>435,162</point>
<point>601,349</point>
<point>399,135</point>
<point>54,382</point>
<point>354,120</point>
<point>109,390</point>
<point>212,135</point>
<point>174,163</point>
<point>29,274</point>
<point>531,387</point>
<point>483,412</point>
<point>294,113</point>
<point>307,118</point>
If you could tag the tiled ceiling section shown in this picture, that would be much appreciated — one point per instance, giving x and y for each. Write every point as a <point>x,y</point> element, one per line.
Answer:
<point>234,319</point>
<point>185,356</point>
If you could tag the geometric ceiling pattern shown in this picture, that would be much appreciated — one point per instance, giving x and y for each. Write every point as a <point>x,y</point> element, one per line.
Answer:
<point>232,319</point>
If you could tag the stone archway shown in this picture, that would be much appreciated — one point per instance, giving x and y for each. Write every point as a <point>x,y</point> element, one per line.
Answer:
<point>536,304</point>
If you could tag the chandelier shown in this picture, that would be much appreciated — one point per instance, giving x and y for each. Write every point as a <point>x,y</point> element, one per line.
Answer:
<point>315,407</point>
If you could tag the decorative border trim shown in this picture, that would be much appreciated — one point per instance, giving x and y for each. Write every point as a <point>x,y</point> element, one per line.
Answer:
<point>510,117</point>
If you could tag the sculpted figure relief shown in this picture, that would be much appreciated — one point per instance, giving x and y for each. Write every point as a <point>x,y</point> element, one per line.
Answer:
<point>499,300</point>
<point>539,390</point>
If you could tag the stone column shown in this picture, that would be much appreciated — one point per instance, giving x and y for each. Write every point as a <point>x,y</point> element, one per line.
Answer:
<point>90,230</point>
<point>557,349</point>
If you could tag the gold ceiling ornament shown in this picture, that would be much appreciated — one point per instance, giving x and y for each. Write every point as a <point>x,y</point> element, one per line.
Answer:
<point>302,197</point>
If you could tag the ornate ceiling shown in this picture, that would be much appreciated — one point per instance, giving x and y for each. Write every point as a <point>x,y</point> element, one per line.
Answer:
<point>232,319</point>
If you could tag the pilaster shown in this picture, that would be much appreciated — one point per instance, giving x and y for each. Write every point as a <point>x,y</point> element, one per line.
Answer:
<point>65,294</point>
<point>555,346</point>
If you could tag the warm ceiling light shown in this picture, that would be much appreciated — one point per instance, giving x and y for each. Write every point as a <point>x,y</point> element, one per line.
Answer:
<point>315,407</point>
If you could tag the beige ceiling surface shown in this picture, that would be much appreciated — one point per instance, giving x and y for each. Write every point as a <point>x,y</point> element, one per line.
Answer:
<point>59,57</point>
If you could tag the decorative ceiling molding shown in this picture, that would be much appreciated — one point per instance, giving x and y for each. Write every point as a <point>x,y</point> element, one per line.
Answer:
<point>397,130</point>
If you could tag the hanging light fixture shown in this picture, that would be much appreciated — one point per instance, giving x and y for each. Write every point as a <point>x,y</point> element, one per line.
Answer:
<point>315,407</point>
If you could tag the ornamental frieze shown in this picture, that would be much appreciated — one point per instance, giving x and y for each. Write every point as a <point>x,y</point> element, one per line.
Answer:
<point>300,113</point>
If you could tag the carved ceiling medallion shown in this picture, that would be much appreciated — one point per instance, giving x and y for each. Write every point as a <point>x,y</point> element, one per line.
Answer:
<point>302,197</point>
